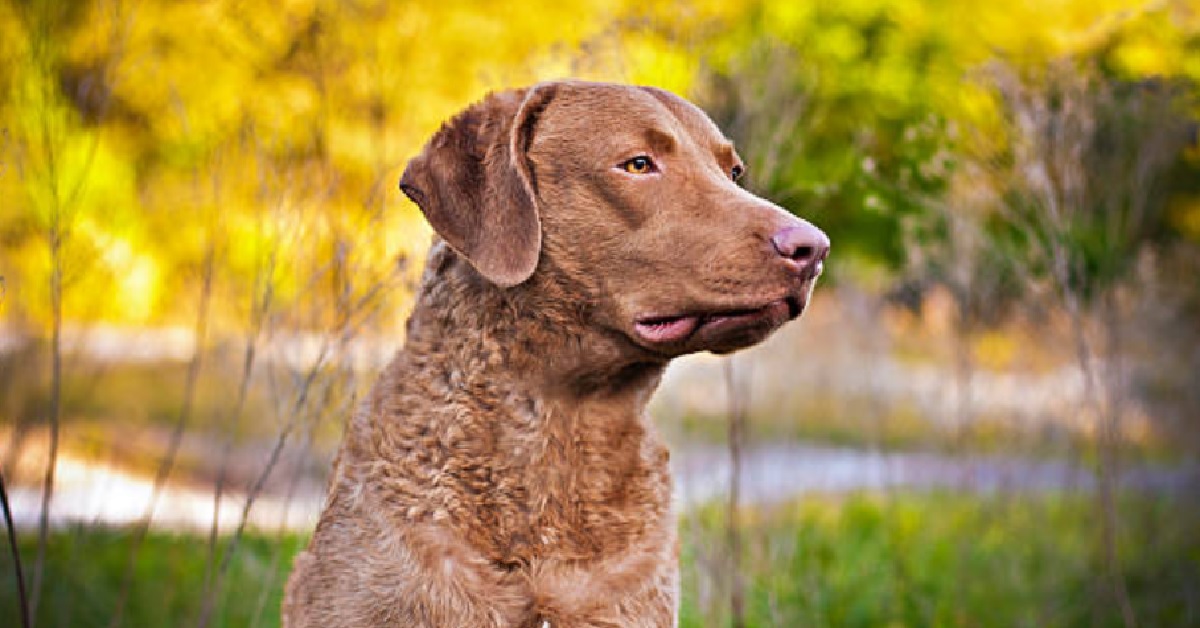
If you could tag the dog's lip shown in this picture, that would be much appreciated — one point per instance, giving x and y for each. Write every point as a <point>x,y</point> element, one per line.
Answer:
<point>676,328</point>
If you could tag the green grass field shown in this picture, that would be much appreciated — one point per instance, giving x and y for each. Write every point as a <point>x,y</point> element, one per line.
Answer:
<point>943,560</point>
<point>899,560</point>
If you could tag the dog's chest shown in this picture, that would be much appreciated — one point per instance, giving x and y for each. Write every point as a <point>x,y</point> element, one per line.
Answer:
<point>516,477</point>
<point>576,490</point>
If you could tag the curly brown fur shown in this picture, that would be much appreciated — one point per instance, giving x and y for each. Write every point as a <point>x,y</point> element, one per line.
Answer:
<point>503,472</point>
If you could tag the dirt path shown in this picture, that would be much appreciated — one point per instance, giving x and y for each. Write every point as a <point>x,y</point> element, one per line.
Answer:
<point>777,472</point>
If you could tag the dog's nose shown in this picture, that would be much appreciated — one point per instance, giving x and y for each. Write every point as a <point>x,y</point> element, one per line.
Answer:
<point>804,244</point>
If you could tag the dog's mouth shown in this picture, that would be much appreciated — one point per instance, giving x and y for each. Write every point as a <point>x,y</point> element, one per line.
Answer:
<point>670,330</point>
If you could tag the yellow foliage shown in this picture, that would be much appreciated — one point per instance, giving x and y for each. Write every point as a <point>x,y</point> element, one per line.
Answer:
<point>1184,214</point>
<point>995,350</point>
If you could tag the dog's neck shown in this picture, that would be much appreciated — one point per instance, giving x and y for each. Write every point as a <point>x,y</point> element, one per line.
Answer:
<point>538,397</point>
<point>540,334</point>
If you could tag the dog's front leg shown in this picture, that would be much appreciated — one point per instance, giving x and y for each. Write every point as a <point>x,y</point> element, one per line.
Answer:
<point>419,577</point>
<point>638,590</point>
<point>458,586</point>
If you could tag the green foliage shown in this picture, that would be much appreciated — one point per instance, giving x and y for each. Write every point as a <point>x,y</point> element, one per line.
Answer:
<point>860,145</point>
<point>859,116</point>
<point>85,566</point>
<point>945,560</point>
<point>1090,168</point>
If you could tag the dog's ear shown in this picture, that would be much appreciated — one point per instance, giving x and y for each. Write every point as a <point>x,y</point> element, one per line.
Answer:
<point>476,188</point>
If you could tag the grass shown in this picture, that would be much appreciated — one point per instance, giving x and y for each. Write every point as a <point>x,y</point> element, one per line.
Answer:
<point>901,560</point>
<point>946,560</point>
<point>85,568</point>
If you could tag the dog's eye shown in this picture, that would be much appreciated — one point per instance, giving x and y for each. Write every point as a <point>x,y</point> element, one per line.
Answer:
<point>737,172</point>
<point>638,165</point>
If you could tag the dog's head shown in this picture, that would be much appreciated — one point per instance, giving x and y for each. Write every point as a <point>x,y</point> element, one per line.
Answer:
<point>631,194</point>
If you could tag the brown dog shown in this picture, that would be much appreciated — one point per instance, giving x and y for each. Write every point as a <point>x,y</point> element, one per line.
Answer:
<point>503,472</point>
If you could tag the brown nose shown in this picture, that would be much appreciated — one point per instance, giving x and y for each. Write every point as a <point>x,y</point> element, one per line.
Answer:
<point>804,244</point>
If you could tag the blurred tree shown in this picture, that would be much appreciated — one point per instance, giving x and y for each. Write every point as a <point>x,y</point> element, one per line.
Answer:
<point>1084,180</point>
<point>856,110</point>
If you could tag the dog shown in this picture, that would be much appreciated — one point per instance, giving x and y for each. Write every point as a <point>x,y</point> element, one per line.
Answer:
<point>502,472</point>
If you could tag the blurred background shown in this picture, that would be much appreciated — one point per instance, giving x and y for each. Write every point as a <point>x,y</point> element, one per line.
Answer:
<point>990,415</point>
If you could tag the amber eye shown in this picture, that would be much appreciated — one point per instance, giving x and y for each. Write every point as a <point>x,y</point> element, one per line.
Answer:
<point>638,165</point>
<point>737,172</point>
